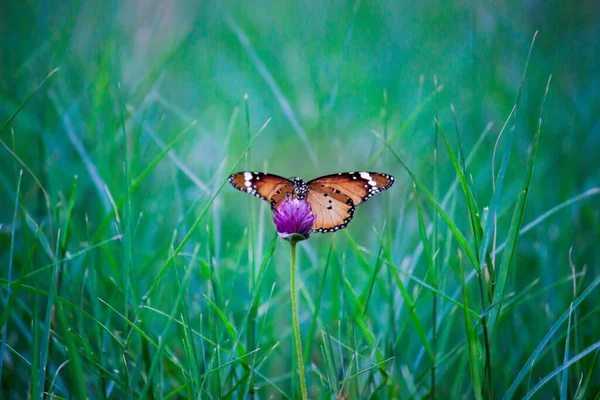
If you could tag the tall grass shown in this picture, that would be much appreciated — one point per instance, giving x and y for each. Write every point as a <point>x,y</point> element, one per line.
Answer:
<point>132,270</point>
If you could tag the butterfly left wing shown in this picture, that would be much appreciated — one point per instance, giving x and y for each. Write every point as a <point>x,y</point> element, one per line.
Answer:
<point>359,186</point>
<point>269,187</point>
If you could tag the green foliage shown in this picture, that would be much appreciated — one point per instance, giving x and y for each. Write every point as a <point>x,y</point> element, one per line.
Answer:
<point>130,268</point>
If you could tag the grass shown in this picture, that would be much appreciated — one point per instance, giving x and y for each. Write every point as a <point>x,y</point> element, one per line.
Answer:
<point>132,270</point>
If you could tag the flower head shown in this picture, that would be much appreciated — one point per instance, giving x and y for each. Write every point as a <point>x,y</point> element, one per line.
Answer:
<point>294,219</point>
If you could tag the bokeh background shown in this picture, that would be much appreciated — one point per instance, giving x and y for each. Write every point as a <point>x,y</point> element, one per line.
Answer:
<point>325,76</point>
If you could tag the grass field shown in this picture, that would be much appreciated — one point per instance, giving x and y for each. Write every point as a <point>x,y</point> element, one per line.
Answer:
<point>131,269</point>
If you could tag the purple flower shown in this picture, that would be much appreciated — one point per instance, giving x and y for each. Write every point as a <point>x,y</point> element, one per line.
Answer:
<point>294,219</point>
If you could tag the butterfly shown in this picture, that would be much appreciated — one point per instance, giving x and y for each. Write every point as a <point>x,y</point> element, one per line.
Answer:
<point>332,198</point>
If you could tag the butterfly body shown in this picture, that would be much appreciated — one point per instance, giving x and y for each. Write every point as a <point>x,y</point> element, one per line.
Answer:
<point>333,198</point>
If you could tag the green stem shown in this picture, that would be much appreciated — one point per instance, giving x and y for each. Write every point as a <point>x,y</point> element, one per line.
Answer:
<point>295,318</point>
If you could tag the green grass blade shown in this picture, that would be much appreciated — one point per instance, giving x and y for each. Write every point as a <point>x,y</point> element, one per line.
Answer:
<point>47,321</point>
<point>198,219</point>
<point>406,124</point>
<point>427,286</point>
<point>536,353</point>
<point>275,89</point>
<point>472,210</point>
<point>582,196</point>
<point>315,316</point>
<point>565,375</point>
<point>135,183</point>
<point>513,233</point>
<point>460,238</point>
<point>475,361</point>
<point>582,390</point>
<point>563,367</point>
<point>9,304</point>
<point>175,307</point>
<point>18,110</point>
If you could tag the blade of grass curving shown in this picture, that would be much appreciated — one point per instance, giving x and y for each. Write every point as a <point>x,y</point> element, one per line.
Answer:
<point>255,294</point>
<point>47,267</point>
<point>198,219</point>
<point>180,294</point>
<point>535,355</point>
<point>91,168</point>
<point>135,183</point>
<point>477,232</point>
<point>51,387</point>
<point>558,370</point>
<point>126,226</point>
<point>189,344</point>
<point>492,211</point>
<point>36,350</point>
<point>229,328</point>
<point>228,363</point>
<point>374,274</point>
<point>146,83</point>
<point>176,391</point>
<point>460,239</point>
<point>582,390</point>
<point>47,321</point>
<point>35,178</point>
<point>431,271</point>
<point>357,374</point>
<point>582,196</point>
<point>332,371</point>
<point>250,389</point>
<point>406,124</point>
<point>313,323</point>
<point>37,89</point>
<point>176,161</point>
<point>182,324</point>
<point>472,210</point>
<point>413,315</point>
<point>354,247</point>
<point>286,108</point>
<point>39,234</point>
<point>472,341</point>
<point>565,375</point>
<point>77,374</point>
<point>427,286</point>
<point>411,309</point>
<point>492,216</point>
<point>9,303</point>
<point>424,239</point>
<point>450,192</point>
<point>356,315</point>
<point>517,219</point>
<point>515,107</point>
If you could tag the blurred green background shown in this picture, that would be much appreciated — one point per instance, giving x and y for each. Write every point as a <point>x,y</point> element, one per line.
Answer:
<point>326,75</point>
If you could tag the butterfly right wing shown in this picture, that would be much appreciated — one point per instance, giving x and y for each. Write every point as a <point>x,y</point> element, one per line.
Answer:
<point>334,210</point>
<point>269,187</point>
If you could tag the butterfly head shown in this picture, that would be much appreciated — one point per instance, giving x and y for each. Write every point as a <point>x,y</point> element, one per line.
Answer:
<point>300,188</point>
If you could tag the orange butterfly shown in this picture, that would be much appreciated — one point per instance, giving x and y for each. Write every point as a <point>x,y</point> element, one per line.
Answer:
<point>332,198</point>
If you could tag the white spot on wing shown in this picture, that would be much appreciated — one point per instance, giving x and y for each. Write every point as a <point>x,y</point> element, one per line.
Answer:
<point>248,176</point>
<point>365,175</point>
<point>248,183</point>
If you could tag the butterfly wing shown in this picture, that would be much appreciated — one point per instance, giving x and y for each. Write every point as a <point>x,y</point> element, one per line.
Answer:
<point>359,186</point>
<point>333,198</point>
<point>333,210</point>
<point>269,187</point>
